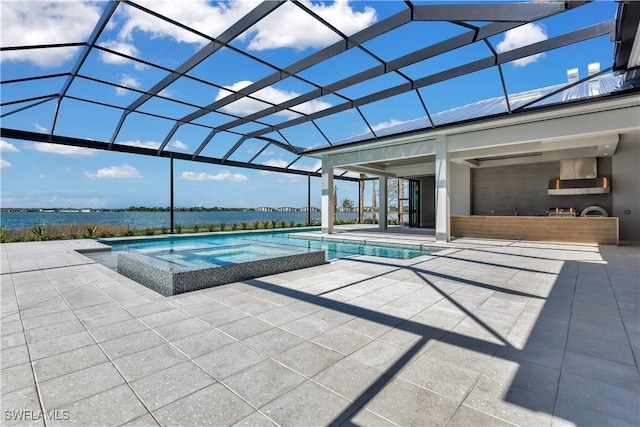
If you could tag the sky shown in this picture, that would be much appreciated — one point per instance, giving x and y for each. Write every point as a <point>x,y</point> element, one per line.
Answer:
<point>46,175</point>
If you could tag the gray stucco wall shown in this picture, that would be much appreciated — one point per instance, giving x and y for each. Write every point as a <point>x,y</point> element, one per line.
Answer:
<point>460,200</point>
<point>625,185</point>
<point>500,190</point>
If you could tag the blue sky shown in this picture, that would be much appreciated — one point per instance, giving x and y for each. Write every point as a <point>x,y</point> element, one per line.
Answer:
<point>42,175</point>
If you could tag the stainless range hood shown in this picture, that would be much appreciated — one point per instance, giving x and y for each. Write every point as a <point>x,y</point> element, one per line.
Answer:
<point>579,176</point>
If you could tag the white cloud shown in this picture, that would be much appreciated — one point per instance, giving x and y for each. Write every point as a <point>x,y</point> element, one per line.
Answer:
<point>167,93</point>
<point>39,128</point>
<point>317,165</point>
<point>44,22</point>
<point>199,14</point>
<point>126,80</point>
<point>64,150</point>
<point>289,26</point>
<point>223,175</point>
<point>123,47</point>
<point>142,144</point>
<point>179,145</point>
<point>7,147</point>
<point>4,164</point>
<point>522,36</point>
<point>387,124</point>
<point>247,106</point>
<point>278,163</point>
<point>124,171</point>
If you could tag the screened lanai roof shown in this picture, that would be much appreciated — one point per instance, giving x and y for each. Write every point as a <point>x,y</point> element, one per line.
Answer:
<point>261,84</point>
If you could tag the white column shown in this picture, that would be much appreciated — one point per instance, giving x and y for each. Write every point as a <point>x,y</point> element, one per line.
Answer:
<point>382,202</point>
<point>443,170</point>
<point>327,198</point>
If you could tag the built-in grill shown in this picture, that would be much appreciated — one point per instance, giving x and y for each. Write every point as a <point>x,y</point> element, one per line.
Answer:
<point>562,211</point>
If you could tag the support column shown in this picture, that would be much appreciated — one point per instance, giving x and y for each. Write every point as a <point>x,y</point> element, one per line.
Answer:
<point>443,171</point>
<point>308,199</point>
<point>327,198</point>
<point>171,212</point>
<point>382,203</point>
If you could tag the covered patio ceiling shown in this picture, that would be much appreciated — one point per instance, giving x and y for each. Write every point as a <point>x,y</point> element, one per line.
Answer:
<point>235,100</point>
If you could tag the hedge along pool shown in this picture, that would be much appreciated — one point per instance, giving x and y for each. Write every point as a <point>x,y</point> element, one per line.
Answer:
<point>176,264</point>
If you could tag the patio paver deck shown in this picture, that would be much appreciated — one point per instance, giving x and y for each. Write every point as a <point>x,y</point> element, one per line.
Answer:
<point>482,333</point>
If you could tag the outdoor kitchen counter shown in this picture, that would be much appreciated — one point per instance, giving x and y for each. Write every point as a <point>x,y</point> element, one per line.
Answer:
<point>602,230</point>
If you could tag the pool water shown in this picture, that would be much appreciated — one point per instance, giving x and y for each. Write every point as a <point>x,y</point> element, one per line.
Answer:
<point>224,255</point>
<point>236,247</point>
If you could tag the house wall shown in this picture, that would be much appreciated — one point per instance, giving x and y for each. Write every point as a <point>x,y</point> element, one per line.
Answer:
<point>460,189</point>
<point>500,190</point>
<point>625,186</point>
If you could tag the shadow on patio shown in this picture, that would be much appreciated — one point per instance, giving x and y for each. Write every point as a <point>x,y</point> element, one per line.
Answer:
<point>551,344</point>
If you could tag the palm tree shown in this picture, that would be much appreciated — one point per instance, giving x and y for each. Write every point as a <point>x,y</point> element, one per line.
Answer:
<point>361,199</point>
<point>335,204</point>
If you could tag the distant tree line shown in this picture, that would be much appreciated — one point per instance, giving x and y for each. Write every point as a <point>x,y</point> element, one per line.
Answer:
<point>185,209</point>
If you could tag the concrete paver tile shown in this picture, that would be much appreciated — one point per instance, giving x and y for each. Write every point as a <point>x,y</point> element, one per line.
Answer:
<point>407,404</point>
<point>130,344</point>
<point>310,405</point>
<point>273,341</point>
<point>166,386</point>
<point>79,385</point>
<point>343,340</point>
<point>245,327</point>
<point>309,358</point>
<point>117,405</point>
<point>47,348</point>
<point>146,362</point>
<point>203,342</point>
<point>263,382</point>
<point>21,407</point>
<point>214,405</point>
<point>228,360</point>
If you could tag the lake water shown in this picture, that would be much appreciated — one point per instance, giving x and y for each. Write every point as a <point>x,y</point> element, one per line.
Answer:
<point>141,220</point>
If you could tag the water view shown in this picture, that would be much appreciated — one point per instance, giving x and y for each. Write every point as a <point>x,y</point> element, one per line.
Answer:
<point>141,220</point>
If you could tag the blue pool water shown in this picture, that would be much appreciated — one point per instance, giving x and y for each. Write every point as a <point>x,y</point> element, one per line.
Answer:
<point>243,246</point>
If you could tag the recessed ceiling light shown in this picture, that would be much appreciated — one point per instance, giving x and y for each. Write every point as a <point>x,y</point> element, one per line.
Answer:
<point>606,154</point>
<point>607,146</point>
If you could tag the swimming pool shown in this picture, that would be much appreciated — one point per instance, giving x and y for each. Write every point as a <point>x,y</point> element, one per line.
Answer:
<point>175,264</point>
<point>201,243</point>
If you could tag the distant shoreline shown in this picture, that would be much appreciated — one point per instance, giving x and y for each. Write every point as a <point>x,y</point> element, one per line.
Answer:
<point>158,209</point>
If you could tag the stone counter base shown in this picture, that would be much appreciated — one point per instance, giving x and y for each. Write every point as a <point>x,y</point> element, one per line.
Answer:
<point>599,230</point>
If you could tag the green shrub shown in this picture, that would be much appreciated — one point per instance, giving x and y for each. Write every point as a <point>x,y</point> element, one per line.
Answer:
<point>40,232</point>
<point>196,228</point>
<point>149,231</point>
<point>178,228</point>
<point>91,231</point>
